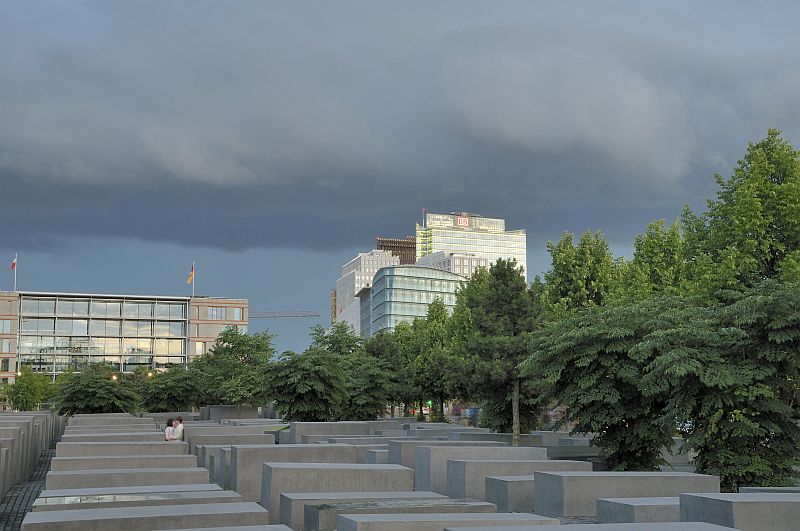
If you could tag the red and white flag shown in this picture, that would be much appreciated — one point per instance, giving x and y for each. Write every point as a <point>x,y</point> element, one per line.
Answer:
<point>14,263</point>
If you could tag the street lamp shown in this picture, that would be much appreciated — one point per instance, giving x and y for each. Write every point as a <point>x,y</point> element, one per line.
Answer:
<point>113,376</point>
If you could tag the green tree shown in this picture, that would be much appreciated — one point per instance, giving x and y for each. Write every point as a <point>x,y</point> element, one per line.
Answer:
<point>340,339</point>
<point>658,264</point>
<point>502,313</point>
<point>580,276</point>
<point>384,348</point>
<point>98,388</point>
<point>235,369</point>
<point>731,372</point>
<point>29,390</point>
<point>309,387</point>
<point>407,340</point>
<point>368,386</point>
<point>751,231</point>
<point>175,389</point>
<point>437,367</point>
<point>588,363</point>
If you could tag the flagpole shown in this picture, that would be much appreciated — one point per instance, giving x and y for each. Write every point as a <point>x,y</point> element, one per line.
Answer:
<point>194,274</point>
<point>15,272</point>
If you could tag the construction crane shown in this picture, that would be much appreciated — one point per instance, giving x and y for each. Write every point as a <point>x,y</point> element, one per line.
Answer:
<point>281,314</point>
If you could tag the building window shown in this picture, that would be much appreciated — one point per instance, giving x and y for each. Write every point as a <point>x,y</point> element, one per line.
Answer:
<point>5,345</point>
<point>5,326</point>
<point>217,313</point>
<point>199,348</point>
<point>237,314</point>
<point>4,365</point>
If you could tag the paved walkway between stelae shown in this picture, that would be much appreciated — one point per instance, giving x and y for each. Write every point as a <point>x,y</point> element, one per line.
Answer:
<point>19,500</point>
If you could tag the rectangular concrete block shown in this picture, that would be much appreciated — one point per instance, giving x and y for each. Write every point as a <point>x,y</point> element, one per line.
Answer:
<point>268,527</point>
<point>563,494</point>
<point>298,429</point>
<point>752,511</point>
<point>292,504</point>
<point>525,439</point>
<point>83,479</point>
<point>124,436</point>
<point>279,478</point>
<point>107,448</point>
<point>435,521</point>
<point>109,501</point>
<point>511,494</point>
<point>467,478</point>
<point>322,517</point>
<point>147,518</point>
<point>376,457</point>
<point>115,462</point>
<point>246,462</point>
<point>403,452</point>
<point>145,489</point>
<point>665,526</point>
<point>430,462</point>
<point>229,439</point>
<point>638,510</point>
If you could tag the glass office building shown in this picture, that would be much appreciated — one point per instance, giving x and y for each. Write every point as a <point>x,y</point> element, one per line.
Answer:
<point>56,332</point>
<point>461,232</point>
<point>402,293</point>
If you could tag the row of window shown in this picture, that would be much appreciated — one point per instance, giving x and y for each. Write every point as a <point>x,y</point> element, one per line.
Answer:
<point>100,345</point>
<point>102,327</point>
<point>57,363</point>
<point>222,313</point>
<point>85,308</point>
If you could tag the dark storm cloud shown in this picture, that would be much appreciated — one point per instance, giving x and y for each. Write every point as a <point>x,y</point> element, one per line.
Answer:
<point>253,124</point>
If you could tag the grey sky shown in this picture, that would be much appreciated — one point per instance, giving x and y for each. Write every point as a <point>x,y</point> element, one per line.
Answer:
<point>142,135</point>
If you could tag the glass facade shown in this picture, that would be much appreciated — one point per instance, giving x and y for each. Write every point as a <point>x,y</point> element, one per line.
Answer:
<point>468,233</point>
<point>60,333</point>
<point>402,293</point>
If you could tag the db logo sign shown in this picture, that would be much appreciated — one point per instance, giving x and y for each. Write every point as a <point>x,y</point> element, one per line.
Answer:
<point>462,221</point>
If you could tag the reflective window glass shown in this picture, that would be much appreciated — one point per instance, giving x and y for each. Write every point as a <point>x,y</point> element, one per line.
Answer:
<point>131,309</point>
<point>129,328</point>
<point>47,307</point>
<point>64,308</point>
<point>161,329</point>
<point>113,309</point>
<point>177,329</point>
<point>98,309</point>
<point>162,310</point>
<point>177,311</point>
<point>30,307</point>
<point>5,326</point>
<point>145,309</point>
<point>144,328</point>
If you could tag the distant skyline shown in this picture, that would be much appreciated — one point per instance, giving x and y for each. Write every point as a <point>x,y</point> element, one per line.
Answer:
<point>271,142</point>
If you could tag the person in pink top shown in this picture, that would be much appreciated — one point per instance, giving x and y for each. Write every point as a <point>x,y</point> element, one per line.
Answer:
<point>169,432</point>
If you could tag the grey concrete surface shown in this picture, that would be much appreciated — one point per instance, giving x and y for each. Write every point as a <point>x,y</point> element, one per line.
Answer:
<point>511,494</point>
<point>292,504</point>
<point>403,452</point>
<point>246,460</point>
<point>467,478</point>
<point>430,462</point>
<point>96,449</point>
<point>638,510</point>
<point>118,461</point>
<point>279,478</point>
<point>146,518</point>
<point>84,479</point>
<point>563,493</point>
<point>434,521</point>
<point>750,511</point>
<point>322,517</point>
